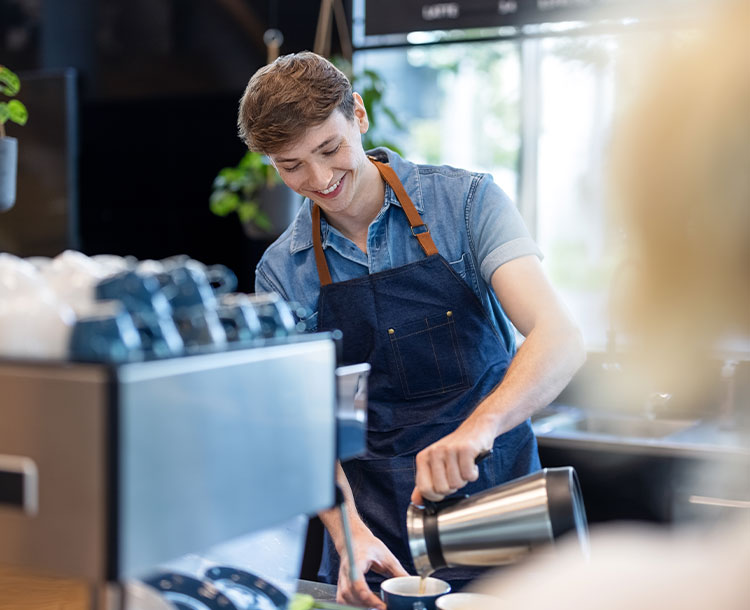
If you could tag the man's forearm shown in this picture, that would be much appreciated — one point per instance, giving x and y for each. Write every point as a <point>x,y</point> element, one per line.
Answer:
<point>331,518</point>
<point>542,367</point>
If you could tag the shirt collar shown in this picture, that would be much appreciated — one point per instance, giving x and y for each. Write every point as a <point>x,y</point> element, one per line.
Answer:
<point>407,173</point>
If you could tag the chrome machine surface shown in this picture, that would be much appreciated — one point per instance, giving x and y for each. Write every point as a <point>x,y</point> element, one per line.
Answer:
<point>499,525</point>
<point>109,470</point>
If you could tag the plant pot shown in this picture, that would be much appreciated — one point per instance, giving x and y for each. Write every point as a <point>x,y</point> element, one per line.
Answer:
<point>280,204</point>
<point>8,165</point>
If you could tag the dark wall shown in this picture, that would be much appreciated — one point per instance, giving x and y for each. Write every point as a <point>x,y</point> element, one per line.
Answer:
<point>159,86</point>
<point>142,48</point>
<point>146,173</point>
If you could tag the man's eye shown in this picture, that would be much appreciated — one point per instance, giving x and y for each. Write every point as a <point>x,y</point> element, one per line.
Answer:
<point>292,168</point>
<point>328,153</point>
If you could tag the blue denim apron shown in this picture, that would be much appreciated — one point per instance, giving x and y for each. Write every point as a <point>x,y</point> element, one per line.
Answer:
<point>435,355</point>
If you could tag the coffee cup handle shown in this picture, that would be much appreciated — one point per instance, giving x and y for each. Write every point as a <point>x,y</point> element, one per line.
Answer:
<point>222,279</point>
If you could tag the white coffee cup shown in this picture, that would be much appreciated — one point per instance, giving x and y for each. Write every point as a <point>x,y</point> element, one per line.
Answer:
<point>18,277</point>
<point>112,264</point>
<point>35,325</point>
<point>468,601</point>
<point>72,276</point>
<point>402,592</point>
<point>39,262</point>
<point>150,267</point>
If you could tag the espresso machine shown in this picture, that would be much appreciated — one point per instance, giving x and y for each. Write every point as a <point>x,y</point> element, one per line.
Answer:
<point>109,470</point>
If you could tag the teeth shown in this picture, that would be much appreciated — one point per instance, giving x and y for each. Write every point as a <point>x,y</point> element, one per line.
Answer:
<point>331,188</point>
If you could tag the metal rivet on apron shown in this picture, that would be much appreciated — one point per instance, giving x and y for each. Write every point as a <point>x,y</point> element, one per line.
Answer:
<point>449,313</point>
<point>391,331</point>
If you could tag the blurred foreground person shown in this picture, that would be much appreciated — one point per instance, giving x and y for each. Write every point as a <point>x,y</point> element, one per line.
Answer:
<point>682,182</point>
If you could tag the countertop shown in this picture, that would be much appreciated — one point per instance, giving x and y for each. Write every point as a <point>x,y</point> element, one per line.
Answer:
<point>318,590</point>
<point>702,439</point>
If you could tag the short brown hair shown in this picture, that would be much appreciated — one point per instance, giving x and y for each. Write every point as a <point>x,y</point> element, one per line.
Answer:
<point>288,96</point>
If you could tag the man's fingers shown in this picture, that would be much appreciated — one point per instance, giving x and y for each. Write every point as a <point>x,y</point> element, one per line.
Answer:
<point>439,476</point>
<point>359,594</point>
<point>389,566</point>
<point>467,466</point>
<point>398,570</point>
<point>424,478</point>
<point>416,497</point>
<point>453,472</point>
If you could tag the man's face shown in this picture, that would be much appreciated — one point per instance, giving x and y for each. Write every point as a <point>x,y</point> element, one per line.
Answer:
<point>326,164</point>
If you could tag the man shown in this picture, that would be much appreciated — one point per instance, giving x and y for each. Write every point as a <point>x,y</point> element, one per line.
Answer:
<point>424,269</point>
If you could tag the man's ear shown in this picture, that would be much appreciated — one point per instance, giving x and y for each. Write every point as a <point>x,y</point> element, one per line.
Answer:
<point>360,114</point>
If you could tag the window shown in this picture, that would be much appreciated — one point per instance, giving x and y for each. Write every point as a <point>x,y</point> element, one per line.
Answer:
<point>460,103</point>
<point>536,113</point>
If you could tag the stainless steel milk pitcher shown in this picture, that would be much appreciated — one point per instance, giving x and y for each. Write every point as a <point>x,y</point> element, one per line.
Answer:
<point>500,525</point>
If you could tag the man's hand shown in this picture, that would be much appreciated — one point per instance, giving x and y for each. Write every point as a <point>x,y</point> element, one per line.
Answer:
<point>370,554</point>
<point>448,465</point>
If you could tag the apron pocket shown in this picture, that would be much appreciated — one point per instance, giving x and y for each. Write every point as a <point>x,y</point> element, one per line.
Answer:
<point>428,356</point>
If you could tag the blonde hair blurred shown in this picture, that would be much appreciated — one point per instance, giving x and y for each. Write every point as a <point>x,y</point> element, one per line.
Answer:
<point>681,163</point>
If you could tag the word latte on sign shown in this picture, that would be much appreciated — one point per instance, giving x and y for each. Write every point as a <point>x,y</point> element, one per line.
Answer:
<point>442,10</point>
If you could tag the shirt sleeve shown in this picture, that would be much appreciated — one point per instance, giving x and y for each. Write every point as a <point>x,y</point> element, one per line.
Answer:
<point>497,231</point>
<point>264,283</point>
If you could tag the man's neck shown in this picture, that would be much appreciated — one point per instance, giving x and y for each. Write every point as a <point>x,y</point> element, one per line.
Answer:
<point>355,226</point>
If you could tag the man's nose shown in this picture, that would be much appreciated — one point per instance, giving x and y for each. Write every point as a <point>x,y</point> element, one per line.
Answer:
<point>319,176</point>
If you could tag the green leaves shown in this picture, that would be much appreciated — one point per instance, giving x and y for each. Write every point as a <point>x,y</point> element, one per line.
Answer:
<point>17,112</point>
<point>249,211</point>
<point>223,202</point>
<point>13,110</point>
<point>9,83</point>
<point>371,86</point>
<point>237,189</point>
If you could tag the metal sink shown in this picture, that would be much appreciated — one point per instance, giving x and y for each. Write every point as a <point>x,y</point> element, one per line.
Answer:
<point>571,421</point>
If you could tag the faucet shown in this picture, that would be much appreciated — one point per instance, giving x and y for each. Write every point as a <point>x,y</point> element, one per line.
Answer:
<point>656,404</point>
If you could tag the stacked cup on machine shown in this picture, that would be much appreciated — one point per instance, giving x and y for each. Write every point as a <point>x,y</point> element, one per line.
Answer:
<point>116,309</point>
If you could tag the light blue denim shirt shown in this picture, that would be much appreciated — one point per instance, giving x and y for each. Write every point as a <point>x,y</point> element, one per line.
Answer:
<point>474,224</point>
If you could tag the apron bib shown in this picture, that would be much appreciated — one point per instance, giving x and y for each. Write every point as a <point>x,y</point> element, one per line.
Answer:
<point>435,354</point>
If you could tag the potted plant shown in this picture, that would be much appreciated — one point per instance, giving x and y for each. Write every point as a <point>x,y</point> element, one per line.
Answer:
<point>254,190</point>
<point>15,111</point>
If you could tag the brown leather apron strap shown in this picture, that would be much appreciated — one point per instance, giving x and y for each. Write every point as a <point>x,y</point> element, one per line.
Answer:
<point>415,222</point>
<point>320,258</point>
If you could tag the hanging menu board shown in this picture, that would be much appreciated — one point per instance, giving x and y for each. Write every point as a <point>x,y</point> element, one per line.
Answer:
<point>403,16</point>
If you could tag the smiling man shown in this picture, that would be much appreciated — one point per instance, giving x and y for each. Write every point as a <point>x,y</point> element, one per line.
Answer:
<point>426,270</point>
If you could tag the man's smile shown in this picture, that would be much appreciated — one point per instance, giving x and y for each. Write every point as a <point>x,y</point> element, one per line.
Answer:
<point>332,190</point>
